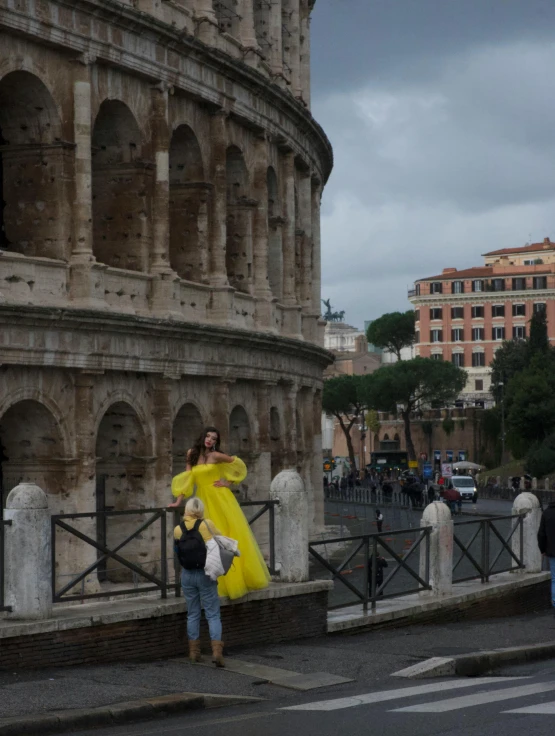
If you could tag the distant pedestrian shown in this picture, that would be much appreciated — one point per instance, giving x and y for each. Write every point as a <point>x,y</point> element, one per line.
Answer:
<point>546,542</point>
<point>379,520</point>
<point>381,562</point>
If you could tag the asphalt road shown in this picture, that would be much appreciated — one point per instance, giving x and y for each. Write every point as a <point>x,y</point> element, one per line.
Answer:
<point>497,706</point>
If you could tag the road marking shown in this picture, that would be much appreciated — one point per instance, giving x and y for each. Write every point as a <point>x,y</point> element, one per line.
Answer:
<point>541,709</point>
<point>403,692</point>
<point>481,698</point>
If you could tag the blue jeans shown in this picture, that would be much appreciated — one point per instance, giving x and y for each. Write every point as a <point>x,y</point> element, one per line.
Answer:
<point>201,592</point>
<point>552,566</point>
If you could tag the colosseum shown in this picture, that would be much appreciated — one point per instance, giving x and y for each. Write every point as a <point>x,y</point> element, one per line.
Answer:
<point>160,186</point>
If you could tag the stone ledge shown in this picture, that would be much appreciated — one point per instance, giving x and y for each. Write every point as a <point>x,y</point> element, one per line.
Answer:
<point>111,612</point>
<point>354,617</point>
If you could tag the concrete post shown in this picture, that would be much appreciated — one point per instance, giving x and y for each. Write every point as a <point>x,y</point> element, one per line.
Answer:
<point>438,516</point>
<point>291,526</point>
<point>27,553</point>
<point>528,505</point>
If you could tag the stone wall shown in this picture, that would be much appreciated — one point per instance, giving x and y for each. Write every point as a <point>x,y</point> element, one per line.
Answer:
<point>160,247</point>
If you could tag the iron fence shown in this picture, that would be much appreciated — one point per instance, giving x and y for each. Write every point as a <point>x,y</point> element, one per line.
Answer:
<point>3,524</point>
<point>487,549</point>
<point>152,581</point>
<point>371,585</point>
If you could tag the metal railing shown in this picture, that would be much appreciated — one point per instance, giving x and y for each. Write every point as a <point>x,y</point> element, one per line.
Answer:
<point>153,581</point>
<point>3,607</point>
<point>370,588</point>
<point>488,550</point>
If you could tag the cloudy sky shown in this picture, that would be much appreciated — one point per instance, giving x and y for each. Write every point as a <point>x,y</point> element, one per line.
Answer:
<point>442,118</point>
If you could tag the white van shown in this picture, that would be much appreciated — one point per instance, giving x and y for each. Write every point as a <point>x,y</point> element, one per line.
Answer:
<point>466,486</point>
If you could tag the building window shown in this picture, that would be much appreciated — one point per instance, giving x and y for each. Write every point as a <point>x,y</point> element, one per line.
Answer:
<point>417,336</point>
<point>478,360</point>
<point>458,359</point>
<point>478,334</point>
<point>457,287</point>
<point>417,289</point>
<point>519,332</point>
<point>539,307</point>
<point>498,333</point>
<point>457,312</point>
<point>477,312</point>
<point>479,383</point>
<point>436,287</point>
<point>478,285</point>
<point>540,282</point>
<point>498,284</point>
<point>437,356</point>
<point>457,335</point>
<point>533,262</point>
<point>498,310</point>
<point>519,284</point>
<point>417,315</point>
<point>436,335</point>
<point>436,313</point>
<point>519,310</point>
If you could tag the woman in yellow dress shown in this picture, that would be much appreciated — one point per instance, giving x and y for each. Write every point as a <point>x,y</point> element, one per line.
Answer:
<point>212,472</point>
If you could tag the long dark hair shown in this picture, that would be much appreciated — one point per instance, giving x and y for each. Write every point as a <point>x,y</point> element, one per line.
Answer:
<point>198,448</point>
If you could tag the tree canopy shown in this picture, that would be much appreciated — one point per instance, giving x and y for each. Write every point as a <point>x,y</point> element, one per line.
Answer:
<point>410,384</point>
<point>341,398</point>
<point>393,331</point>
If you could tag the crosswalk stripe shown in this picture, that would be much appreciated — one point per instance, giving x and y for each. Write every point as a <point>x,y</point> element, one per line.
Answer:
<point>403,692</point>
<point>489,696</point>
<point>540,709</point>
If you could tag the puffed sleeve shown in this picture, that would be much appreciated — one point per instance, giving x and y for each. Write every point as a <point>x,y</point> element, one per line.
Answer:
<point>235,471</point>
<point>183,484</point>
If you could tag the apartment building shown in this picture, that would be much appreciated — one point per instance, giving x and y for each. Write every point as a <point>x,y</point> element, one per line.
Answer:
<point>464,316</point>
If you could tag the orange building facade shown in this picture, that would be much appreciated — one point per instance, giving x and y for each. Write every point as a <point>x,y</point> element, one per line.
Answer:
<point>464,316</point>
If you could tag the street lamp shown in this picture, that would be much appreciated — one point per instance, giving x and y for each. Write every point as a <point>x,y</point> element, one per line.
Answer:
<point>501,386</point>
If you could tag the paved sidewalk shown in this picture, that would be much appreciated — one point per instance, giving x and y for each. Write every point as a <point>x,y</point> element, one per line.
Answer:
<point>368,657</point>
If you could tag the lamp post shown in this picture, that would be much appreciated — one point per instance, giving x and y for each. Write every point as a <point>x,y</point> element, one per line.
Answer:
<point>501,386</point>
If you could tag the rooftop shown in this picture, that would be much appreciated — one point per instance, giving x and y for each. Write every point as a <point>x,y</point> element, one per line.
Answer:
<point>530,248</point>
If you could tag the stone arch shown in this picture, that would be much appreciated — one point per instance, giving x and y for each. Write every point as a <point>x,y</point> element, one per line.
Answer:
<point>275,242</point>
<point>187,426</point>
<point>396,438</point>
<point>121,184</point>
<point>240,440</point>
<point>239,255</point>
<point>276,442</point>
<point>121,483</point>
<point>385,438</point>
<point>32,448</point>
<point>35,170</point>
<point>189,206</point>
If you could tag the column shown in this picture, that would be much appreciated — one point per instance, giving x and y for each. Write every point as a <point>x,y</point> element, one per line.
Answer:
<point>83,281</point>
<point>162,415</point>
<point>276,37</point>
<point>160,258</point>
<point>260,237</point>
<point>289,229</point>
<point>316,247</point>
<point>246,26</point>
<point>305,52</point>
<point>292,39</point>
<point>291,526</point>
<point>305,206</point>
<point>220,410</point>
<point>290,424</point>
<point>218,130</point>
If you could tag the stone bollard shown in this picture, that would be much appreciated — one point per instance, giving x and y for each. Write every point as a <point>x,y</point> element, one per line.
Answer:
<point>291,526</point>
<point>27,560</point>
<point>528,505</point>
<point>546,485</point>
<point>438,516</point>
<point>534,484</point>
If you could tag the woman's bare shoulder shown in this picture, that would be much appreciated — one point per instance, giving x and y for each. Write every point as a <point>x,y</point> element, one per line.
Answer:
<point>221,457</point>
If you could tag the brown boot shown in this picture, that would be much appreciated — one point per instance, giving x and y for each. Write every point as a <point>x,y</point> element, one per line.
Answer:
<point>194,651</point>
<point>217,653</point>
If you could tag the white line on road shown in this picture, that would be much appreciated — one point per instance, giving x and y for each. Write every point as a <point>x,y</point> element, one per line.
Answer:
<point>481,698</point>
<point>540,709</point>
<point>403,692</point>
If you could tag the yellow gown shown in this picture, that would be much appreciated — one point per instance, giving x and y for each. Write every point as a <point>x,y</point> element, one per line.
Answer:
<point>249,571</point>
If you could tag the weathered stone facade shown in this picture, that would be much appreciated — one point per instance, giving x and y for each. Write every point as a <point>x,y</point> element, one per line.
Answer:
<point>160,188</point>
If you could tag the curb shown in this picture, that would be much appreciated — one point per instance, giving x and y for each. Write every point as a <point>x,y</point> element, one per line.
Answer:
<point>117,713</point>
<point>478,663</point>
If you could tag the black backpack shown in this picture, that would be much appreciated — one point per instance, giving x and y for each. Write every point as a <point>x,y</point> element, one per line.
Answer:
<point>191,549</point>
